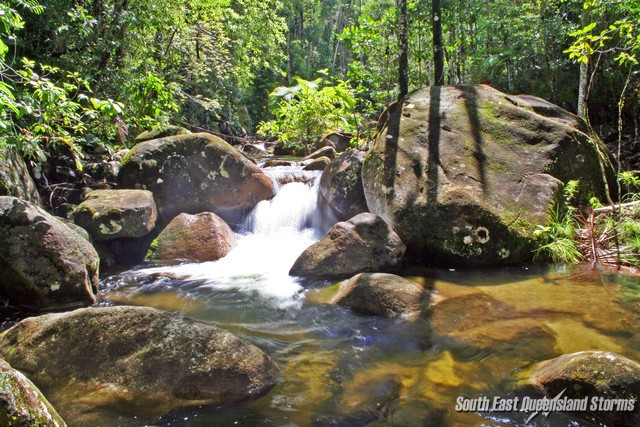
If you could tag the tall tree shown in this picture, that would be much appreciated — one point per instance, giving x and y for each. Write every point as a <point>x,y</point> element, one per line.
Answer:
<point>403,57</point>
<point>438,52</point>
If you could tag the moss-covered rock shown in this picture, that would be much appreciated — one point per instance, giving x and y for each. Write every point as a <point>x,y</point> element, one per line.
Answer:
<point>44,264</point>
<point>22,404</point>
<point>15,179</point>
<point>160,132</point>
<point>590,374</point>
<point>138,355</point>
<point>341,184</point>
<point>464,173</point>
<point>195,173</point>
<point>202,237</point>
<point>110,214</point>
<point>365,243</point>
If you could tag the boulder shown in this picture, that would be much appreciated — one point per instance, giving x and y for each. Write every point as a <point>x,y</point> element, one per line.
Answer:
<point>341,184</point>
<point>44,264</point>
<point>22,404</point>
<point>111,214</point>
<point>15,179</point>
<point>465,173</point>
<point>138,355</point>
<point>195,173</point>
<point>339,142</point>
<point>318,164</point>
<point>590,374</point>
<point>381,294</point>
<point>328,152</point>
<point>274,163</point>
<point>104,170</point>
<point>162,132</point>
<point>202,237</point>
<point>365,243</point>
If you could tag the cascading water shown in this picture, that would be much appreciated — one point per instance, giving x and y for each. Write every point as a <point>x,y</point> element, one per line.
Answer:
<point>273,235</point>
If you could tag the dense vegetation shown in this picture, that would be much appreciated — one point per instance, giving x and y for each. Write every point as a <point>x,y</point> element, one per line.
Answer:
<point>76,75</point>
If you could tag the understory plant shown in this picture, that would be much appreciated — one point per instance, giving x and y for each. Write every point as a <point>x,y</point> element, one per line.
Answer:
<point>557,240</point>
<point>302,113</point>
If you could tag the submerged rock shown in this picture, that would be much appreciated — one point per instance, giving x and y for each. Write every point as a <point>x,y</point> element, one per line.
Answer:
<point>202,237</point>
<point>138,355</point>
<point>464,173</point>
<point>382,294</point>
<point>111,214</point>
<point>365,243</point>
<point>22,404</point>
<point>195,173</point>
<point>44,264</point>
<point>341,184</point>
<point>15,179</point>
<point>591,374</point>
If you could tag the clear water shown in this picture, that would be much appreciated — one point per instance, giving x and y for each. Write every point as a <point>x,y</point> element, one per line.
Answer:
<point>340,368</point>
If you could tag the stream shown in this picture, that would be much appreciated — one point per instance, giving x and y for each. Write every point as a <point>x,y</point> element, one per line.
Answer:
<point>342,369</point>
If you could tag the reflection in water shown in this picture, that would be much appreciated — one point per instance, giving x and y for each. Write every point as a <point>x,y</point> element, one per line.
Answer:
<point>340,368</point>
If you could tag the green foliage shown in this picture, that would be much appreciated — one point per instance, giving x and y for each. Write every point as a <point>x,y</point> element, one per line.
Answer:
<point>43,108</point>
<point>307,110</point>
<point>152,101</point>
<point>557,240</point>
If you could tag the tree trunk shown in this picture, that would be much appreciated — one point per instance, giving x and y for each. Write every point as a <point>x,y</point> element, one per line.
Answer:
<point>403,56</point>
<point>583,82</point>
<point>438,53</point>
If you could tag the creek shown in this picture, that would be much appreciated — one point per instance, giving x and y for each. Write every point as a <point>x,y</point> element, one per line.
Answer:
<point>341,368</point>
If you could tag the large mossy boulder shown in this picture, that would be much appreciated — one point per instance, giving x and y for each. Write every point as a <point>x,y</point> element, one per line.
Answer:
<point>195,173</point>
<point>202,237</point>
<point>112,214</point>
<point>365,243</point>
<point>465,173</point>
<point>341,184</point>
<point>138,355</point>
<point>15,179</point>
<point>44,264</point>
<point>590,374</point>
<point>22,404</point>
<point>383,294</point>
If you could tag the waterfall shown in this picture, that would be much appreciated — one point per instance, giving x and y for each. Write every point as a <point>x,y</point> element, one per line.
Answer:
<point>272,237</point>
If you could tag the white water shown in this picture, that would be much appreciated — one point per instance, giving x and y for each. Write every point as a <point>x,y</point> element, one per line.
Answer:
<point>273,236</point>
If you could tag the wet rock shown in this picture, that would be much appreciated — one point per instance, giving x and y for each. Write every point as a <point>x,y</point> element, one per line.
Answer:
<point>195,173</point>
<point>22,404</point>
<point>365,243</point>
<point>340,142</point>
<point>44,264</point>
<point>466,311</point>
<point>364,402</point>
<point>515,339</point>
<point>318,164</point>
<point>111,214</point>
<point>590,374</point>
<point>273,163</point>
<point>15,179</point>
<point>328,152</point>
<point>162,132</point>
<point>138,355</point>
<point>465,173</point>
<point>341,184</point>
<point>254,150</point>
<point>202,237</point>
<point>381,294</point>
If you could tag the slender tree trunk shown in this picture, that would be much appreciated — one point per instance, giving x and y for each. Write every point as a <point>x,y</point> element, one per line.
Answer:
<point>583,82</point>
<point>403,55</point>
<point>438,53</point>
